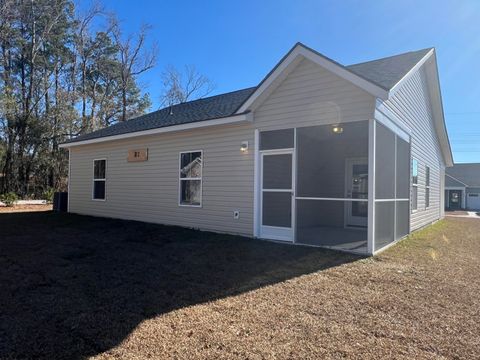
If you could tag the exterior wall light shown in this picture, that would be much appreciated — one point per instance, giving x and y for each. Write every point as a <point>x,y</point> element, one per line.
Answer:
<point>337,129</point>
<point>244,146</point>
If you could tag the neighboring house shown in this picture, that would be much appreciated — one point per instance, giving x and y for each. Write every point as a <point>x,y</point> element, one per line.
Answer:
<point>317,154</point>
<point>462,187</point>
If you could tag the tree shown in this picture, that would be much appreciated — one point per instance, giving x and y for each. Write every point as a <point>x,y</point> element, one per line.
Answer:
<point>134,60</point>
<point>59,78</point>
<point>82,41</point>
<point>181,87</point>
<point>27,41</point>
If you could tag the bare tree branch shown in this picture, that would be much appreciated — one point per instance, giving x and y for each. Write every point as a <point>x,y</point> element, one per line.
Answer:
<point>181,87</point>
<point>134,58</point>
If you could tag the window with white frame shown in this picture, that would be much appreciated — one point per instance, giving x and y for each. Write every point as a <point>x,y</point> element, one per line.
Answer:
<point>414,184</point>
<point>190,176</point>
<point>427,187</point>
<point>99,179</point>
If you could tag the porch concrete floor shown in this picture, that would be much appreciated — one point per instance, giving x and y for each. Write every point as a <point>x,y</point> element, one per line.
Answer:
<point>345,239</point>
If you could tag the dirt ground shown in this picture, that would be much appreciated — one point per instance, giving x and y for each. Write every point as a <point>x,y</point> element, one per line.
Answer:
<point>76,287</point>
<point>25,208</point>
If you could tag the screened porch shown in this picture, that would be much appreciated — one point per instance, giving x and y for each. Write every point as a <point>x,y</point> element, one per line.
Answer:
<point>316,186</point>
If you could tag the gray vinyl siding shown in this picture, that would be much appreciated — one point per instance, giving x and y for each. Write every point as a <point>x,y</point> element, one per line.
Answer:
<point>148,191</point>
<point>410,105</point>
<point>311,95</point>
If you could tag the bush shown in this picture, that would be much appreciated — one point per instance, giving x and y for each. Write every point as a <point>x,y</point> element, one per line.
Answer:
<point>9,198</point>
<point>48,195</point>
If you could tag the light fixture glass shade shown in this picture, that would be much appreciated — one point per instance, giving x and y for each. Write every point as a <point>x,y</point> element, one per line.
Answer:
<point>244,146</point>
<point>337,129</point>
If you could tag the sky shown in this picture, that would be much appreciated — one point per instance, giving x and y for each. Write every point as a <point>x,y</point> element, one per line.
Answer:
<point>236,43</point>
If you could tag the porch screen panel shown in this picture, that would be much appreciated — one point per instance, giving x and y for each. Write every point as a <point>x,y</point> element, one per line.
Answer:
<point>384,163</point>
<point>384,223</point>
<point>402,216</point>
<point>277,209</point>
<point>322,155</point>
<point>392,187</point>
<point>277,171</point>
<point>402,191</point>
<point>332,168</point>
<point>322,223</point>
<point>402,169</point>
<point>277,139</point>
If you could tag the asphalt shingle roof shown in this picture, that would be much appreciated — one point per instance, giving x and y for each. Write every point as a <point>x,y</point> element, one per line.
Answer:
<point>213,107</point>
<point>467,173</point>
<point>384,72</point>
<point>387,72</point>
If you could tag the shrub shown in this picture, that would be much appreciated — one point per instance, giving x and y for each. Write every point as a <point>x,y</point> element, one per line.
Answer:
<point>9,198</point>
<point>48,195</point>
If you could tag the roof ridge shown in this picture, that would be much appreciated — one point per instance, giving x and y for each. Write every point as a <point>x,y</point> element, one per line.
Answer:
<point>389,57</point>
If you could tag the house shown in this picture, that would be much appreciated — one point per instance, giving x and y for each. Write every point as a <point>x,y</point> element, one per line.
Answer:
<point>347,157</point>
<point>462,187</point>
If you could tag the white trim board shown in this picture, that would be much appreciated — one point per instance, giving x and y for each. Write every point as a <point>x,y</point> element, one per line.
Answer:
<point>69,179</point>
<point>234,119</point>
<point>395,87</point>
<point>371,187</point>
<point>431,69</point>
<point>256,184</point>
<point>451,177</point>
<point>386,118</point>
<point>180,179</point>
<point>104,179</point>
<point>455,188</point>
<point>270,231</point>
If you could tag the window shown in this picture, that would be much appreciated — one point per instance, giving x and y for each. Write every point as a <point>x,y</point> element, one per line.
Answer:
<point>414,184</point>
<point>191,178</point>
<point>427,187</point>
<point>99,179</point>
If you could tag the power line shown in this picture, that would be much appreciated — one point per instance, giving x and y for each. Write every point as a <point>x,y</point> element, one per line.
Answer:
<point>463,113</point>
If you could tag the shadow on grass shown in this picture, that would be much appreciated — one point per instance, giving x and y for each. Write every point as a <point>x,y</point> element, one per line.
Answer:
<point>74,286</point>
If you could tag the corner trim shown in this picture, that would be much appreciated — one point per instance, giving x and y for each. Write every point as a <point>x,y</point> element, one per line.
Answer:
<point>256,184</point>
<point>422,61</point>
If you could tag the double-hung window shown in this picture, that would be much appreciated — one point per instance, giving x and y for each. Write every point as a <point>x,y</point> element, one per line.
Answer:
<point>99,179</point>
<point>414,185</point>
<point>190,175</point>
<point>427,187</point>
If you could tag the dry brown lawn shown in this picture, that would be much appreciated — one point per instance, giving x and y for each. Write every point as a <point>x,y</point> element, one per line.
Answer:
<point>76,287</point>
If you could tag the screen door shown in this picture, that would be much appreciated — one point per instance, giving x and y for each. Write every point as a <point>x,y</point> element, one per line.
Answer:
<point>277,205</point>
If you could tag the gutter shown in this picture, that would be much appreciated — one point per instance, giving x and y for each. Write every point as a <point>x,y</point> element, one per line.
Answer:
<point>234,119</point>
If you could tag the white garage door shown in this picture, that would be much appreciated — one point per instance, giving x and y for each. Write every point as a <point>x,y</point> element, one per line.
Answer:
<point>473,201</point>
